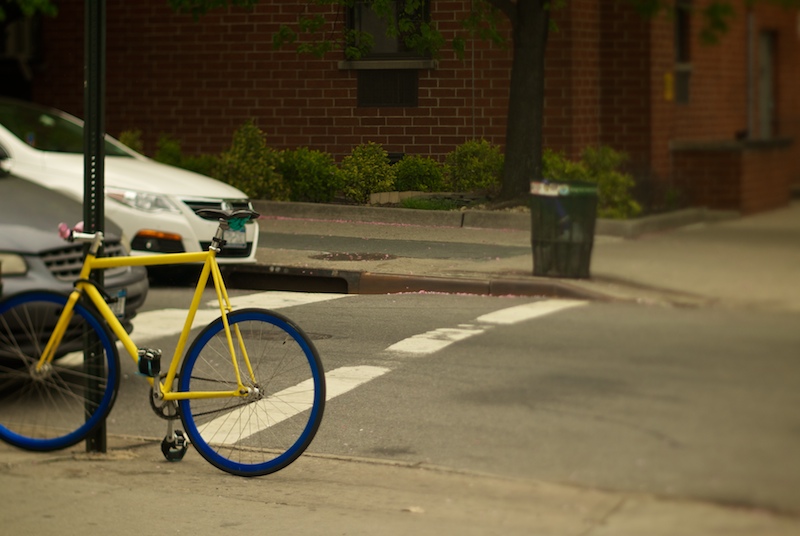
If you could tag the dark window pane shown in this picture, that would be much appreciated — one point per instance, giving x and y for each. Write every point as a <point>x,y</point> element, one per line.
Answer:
<point>682,79</point>
<point>682,31</point>
<point>390,87</point>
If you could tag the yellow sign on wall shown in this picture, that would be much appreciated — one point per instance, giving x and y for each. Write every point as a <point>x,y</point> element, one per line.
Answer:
<point>669,86</point>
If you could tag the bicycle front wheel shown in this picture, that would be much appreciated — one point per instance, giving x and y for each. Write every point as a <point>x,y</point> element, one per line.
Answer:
<point>59,404</point>
<point>269,428</point>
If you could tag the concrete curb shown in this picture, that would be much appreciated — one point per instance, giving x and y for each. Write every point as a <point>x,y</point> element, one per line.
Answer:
<point>275,277</point>
<point>482,219</point>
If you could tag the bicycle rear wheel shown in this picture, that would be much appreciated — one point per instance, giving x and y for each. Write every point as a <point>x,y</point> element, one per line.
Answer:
<point>269,429</point>
<point>62,403</point>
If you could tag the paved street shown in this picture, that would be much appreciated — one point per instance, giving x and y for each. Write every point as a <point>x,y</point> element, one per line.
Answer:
<point>623,408</point>
<point>634,398</point>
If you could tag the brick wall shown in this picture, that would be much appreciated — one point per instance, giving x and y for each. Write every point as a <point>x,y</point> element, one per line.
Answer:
<point>662,123</point>
<point>787,26</point>
<point>625,83</point>
<point>717,107</point>
<point>765,182</point>
<point>710,178</point>
<point>572,94</point>
<point>200,80</point>
<point>747,177</point>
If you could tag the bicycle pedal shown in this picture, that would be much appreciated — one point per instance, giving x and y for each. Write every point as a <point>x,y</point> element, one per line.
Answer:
<point>149,362</point>
<point>174,448</point>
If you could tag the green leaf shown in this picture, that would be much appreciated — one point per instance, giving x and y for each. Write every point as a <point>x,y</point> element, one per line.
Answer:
<point>716,21</point>
<point>283,36</point>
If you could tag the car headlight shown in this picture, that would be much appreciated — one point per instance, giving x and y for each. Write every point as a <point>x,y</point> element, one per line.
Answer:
<point>142,200</point>
<point>11,264</point>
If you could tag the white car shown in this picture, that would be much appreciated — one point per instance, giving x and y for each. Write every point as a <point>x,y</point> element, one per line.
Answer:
<point>154,204</point>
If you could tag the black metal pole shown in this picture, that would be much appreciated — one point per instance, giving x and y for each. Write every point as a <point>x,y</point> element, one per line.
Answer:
<point>93,176</point>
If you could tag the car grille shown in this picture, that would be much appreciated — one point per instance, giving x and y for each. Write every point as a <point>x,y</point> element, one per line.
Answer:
<point>224,204</point>
<point>65,263</point>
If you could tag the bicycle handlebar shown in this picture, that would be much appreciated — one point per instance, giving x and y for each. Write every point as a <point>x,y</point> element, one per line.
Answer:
<point>76,234</point>
<point>235,219</point>
<point>85,237</point>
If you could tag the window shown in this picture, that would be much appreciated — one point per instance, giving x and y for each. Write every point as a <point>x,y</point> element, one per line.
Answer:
<point>368,25</point>
<point>683,37</point>
<point>767,46</point>
<point>682,31</point>
<point>388,65</point>
<point>387,88</point>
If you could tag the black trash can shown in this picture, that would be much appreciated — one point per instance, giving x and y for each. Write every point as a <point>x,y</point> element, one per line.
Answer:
<point>563,217</point>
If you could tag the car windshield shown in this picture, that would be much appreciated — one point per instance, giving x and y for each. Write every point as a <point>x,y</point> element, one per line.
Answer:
<point>47,131</point>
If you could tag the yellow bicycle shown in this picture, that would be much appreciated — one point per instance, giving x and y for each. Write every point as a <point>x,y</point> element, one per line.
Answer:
<point>250,392</point>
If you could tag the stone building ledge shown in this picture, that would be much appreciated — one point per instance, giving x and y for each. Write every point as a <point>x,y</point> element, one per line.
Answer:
<point>730,145</point>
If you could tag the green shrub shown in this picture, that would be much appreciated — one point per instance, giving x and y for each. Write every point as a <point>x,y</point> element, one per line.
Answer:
<point>599,165</point>
<point>204,164</point>
<point>366,171</point>
<point>614,186</point>
<point>557,167</point>
<point>133,139</point>
<point>169,152</point>
<point>250,165</point>
<point>417,173</point>
<point>476,165</point>
<point>311,176</point>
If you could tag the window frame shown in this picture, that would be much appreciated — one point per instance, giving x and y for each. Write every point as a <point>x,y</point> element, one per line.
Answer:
<point>403,65</point>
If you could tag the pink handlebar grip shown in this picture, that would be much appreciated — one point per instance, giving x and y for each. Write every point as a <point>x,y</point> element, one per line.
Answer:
<point>66,233</point>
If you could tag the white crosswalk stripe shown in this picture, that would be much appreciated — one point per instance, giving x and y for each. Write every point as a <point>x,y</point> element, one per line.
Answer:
<point>433,341</point>
<point>281,300</point>
<point>437,339</point>
<point>282,406</point>
<point>234,426</point>
<point>151,325</point>
<point>528,311</point>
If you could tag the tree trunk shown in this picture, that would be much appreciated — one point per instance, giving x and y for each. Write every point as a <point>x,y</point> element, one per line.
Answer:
<point>523,156</point>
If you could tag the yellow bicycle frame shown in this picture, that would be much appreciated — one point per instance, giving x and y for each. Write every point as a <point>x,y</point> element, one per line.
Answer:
<point>164,389</point>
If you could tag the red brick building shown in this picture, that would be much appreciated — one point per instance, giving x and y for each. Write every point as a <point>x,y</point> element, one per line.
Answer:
<point>720,124</point>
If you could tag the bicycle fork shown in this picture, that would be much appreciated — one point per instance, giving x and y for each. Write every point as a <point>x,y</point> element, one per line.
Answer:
<point>49,352</point>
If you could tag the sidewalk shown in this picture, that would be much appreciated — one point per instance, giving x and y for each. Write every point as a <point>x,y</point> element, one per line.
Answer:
<point>131,490</point>
<point>693,258</point>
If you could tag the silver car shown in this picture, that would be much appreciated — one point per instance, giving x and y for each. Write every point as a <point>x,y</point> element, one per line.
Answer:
<point>34,257</point>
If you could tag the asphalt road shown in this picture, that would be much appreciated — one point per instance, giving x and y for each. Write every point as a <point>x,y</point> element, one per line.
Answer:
<point>696,404</point>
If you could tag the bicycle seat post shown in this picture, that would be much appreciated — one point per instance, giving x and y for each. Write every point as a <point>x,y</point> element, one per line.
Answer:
<point>217,242</point>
